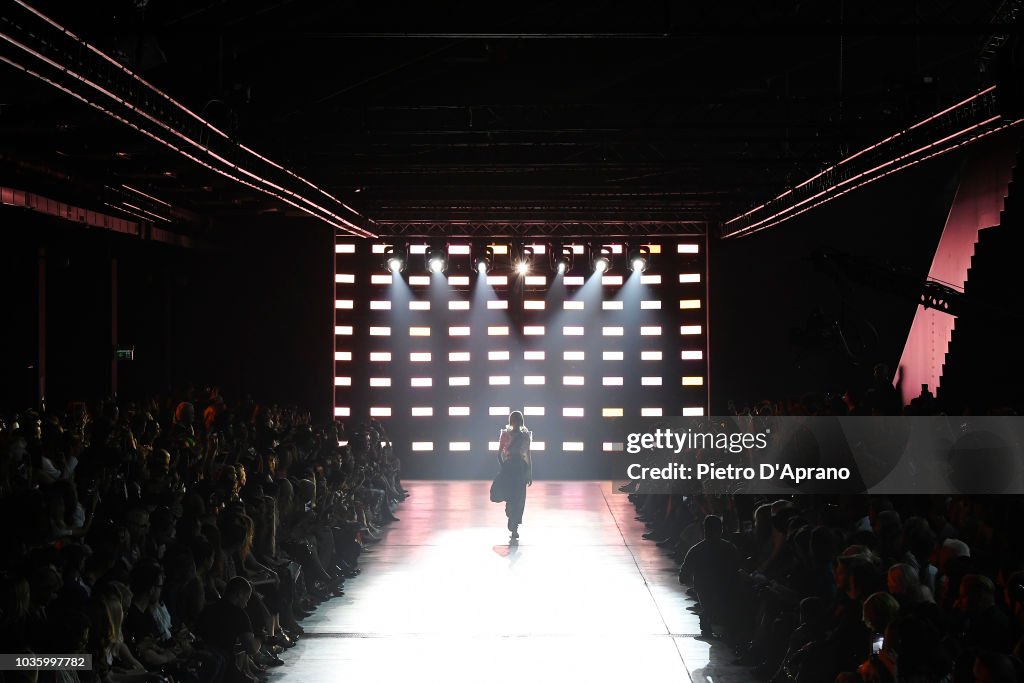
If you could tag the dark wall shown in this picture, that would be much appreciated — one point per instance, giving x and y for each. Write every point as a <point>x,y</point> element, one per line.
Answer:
<point>253,317</point>
<point>763,286</point>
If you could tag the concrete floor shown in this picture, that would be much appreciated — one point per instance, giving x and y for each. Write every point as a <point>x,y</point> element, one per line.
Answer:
<point>445,597</point>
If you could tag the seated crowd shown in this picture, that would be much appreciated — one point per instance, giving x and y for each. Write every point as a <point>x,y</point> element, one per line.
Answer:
<point>851,588</point>
<point>180,541</point>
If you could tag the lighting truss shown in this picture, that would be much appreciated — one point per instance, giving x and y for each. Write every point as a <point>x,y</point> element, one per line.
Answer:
<point>968,121</point>
<point>40,47</point>
<point>534,228</point>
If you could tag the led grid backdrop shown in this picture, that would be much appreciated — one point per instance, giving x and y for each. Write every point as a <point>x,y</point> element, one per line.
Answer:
<point>441,358</point>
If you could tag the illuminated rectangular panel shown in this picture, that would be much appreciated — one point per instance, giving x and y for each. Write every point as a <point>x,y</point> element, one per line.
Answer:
<point>691,355</point>
<point>689,278</point>
<point>344,248</point>
<point>422,445</point>
<point>459,280</point>
<point>650,412</point>
<point>576,248</point>
<point>458,331</point>
<point>342,330</point>
<point>693,381</point>
<point>421,382</point>
<point>613,331</point>
<point>611,355</point>
<point>650,331</point>
<point>381,248</point>
<point>380,381</point>
<point>380,305</point>
<point>538,446</point>
<point>496,380</point>
<point>497,280</point>
<point>380,411</point>
<point>689,329</point>
<point>695,411</point>
<point>687,248</point>
<point>611,279</point>
<point>422,411</point>
<point>534,330</point>
<point>419,357</point>
<point>342,381</point>
<point>380,356</point>
<point>533,411</point>
<point>499,410</point>
<point>533,380</point>
<point>381,279</point>
<point>689,303</point>
<point>536,280</point>
<point>380,331</point>
<point>458,305</point>
<point>572,331</point>
<point>342,355</point>
<point>499,249</point>
<point>497,355</point>
<point>458,356</point>
<point>458,446</point>
<point>419,305</point>
<point>572,380</point>
<point>344,278</point>
<point>533,355</point>
<point>572,412</point>
<point>419,280</point>
<point>419,331</point>
<point>613,446</point>
<point>538,248</point>
<point>611,305</point>
<point>458,411</point>
<point>650,305</point>
<point>611,381</point>
<point>342,411</point>
<point>650,279</point>
<point>531,305</point>
<point>572,445</point>
<point>611,412</point>
<point>574,280</point>
<point>615,248</point>
<point>650,381</point>
<point>493,305</point>
<point>458,249</point>
<point>460,381</point>
<point>497,330</point>
<point>650,355</point>
<point>574,355</point>
<point>492,445</point>
<point>417,249</point>
<point>343,303</point>
<point>572,305</point>
<point>653,248</point>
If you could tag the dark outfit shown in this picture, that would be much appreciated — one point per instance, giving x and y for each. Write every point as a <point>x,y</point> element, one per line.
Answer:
<point>713,564</point>
<point>516,472</point>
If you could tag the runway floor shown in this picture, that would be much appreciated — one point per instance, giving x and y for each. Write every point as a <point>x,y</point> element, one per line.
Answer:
<point>445,597</point>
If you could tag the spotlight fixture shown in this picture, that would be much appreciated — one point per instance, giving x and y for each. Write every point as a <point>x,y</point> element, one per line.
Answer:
<point>483,264</point>
<point>394,259</point>
<point>640,259</point>
<point>602,259</point>
<point>525,260</point>
<point>437,259</point>
<point>561,261</point>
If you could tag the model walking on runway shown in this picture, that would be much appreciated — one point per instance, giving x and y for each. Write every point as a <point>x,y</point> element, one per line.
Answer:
<point>516,468</point>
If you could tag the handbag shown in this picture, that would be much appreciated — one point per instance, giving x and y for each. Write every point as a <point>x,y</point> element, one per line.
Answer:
<point>499,492</point>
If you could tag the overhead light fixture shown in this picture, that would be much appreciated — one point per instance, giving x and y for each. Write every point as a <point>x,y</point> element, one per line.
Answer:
<point>561,260</point>
<point>437,259</point>
<point>602,259</point>
<point>483,264</point>
<point>394,259</point>
<point>640,259</point>
<point>524,261</point>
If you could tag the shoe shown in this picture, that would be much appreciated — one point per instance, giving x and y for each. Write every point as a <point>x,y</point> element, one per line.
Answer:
<point>268,659</point>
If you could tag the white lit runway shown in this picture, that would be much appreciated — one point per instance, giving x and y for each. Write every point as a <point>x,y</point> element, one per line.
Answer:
<point>444,597</point>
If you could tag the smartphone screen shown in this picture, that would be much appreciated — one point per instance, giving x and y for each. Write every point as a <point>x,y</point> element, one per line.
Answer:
<point>876,644</point>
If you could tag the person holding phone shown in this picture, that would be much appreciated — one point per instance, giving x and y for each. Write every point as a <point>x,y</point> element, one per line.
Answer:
<point>516,468</point>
